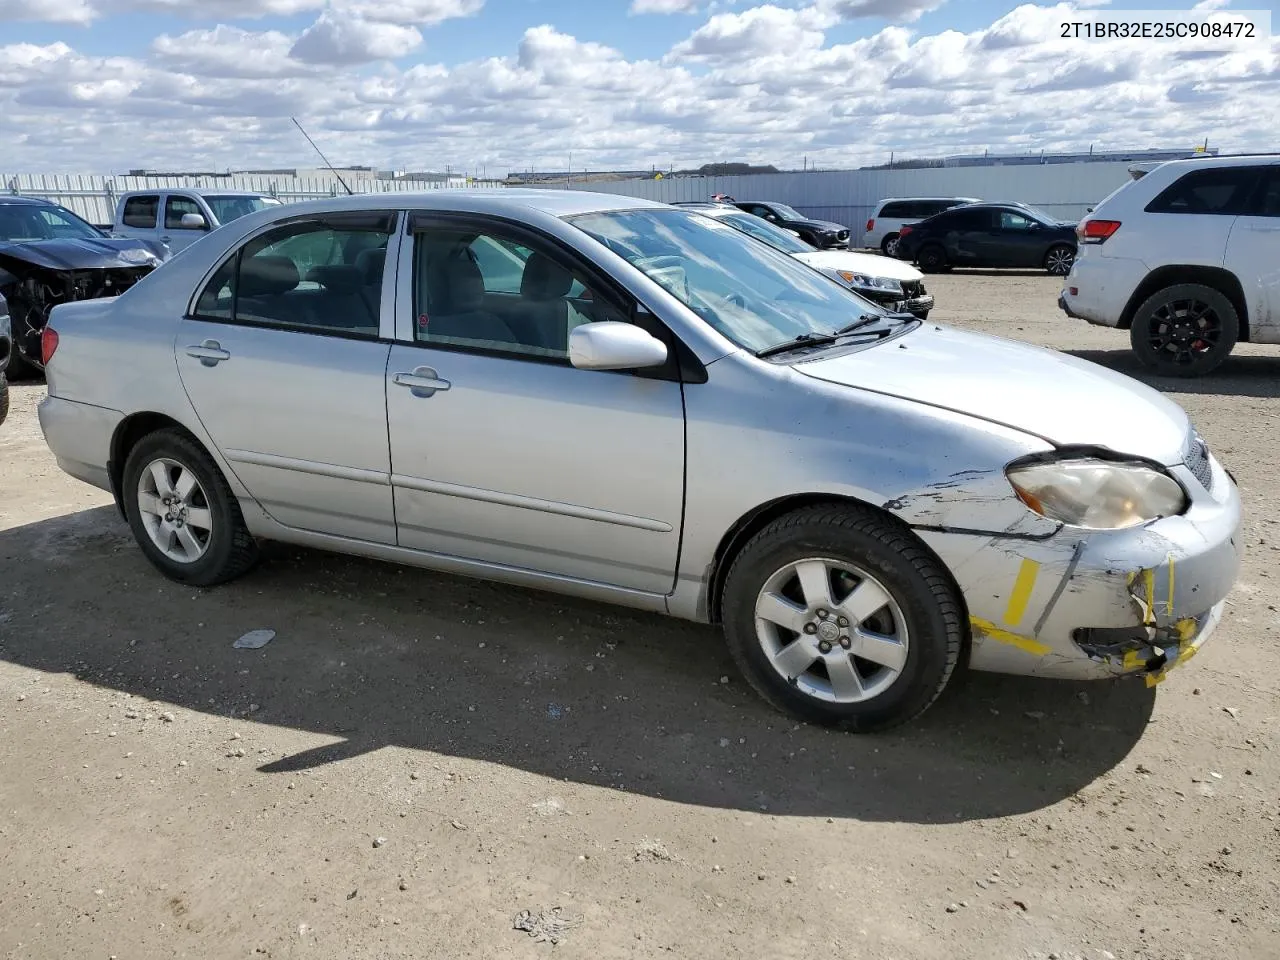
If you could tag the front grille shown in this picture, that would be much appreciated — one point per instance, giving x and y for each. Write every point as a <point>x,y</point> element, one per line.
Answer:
<point>1197,461</point>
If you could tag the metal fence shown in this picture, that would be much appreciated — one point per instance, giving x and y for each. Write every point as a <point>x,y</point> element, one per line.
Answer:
<point>1065,190</point>
<point>93,196</point>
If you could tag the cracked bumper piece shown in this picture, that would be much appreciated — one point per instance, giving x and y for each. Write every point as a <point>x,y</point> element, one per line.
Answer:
<point>1090,604</point>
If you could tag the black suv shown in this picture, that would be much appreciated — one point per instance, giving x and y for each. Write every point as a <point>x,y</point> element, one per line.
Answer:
<point>822,234</point>
<point>989,235</point>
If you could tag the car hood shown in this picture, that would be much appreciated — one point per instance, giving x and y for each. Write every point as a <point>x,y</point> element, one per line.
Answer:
<point>869,263</point>
<point>1057,397</point>
<point>107,253</point>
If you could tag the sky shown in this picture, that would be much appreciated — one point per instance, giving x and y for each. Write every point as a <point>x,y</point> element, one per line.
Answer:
<point>492,86</point>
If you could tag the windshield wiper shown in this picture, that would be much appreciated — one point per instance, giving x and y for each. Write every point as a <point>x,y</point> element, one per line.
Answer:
<point>865,320</point>
<point>804,340</point>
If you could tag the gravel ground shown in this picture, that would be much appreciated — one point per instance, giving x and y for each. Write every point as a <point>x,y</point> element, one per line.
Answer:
<point>420,766</point>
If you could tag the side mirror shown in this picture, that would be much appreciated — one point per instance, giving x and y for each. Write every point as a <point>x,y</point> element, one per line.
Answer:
<point>614,345</point>
<point>193,221</point>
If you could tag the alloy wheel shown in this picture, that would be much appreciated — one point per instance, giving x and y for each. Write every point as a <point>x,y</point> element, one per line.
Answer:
<point>1182,330</point>
<point>1059,261</point>
<point>174,509</point>
<point>831,630</point>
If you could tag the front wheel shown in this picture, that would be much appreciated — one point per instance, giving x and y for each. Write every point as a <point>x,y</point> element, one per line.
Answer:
<point>838,617</point>
<point>1185,330</point>
<point>182,513</point>
<point>1059,259</point>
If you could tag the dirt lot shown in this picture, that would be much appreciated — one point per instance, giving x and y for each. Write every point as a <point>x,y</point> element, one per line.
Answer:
<point>415,759</point>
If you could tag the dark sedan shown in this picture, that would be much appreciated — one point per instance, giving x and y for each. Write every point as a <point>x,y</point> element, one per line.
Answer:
<point>989,235</point>
<point>822,234</point>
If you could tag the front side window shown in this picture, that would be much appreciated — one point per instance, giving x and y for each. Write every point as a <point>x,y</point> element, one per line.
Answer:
<point>754,295</point>
<point>1015,221</point>
<point>1223,191</point>
<point>315,277</point>
<point>141,212</point>
<point>484,289</point>
<point>175,208</point>
<point>226,209</point>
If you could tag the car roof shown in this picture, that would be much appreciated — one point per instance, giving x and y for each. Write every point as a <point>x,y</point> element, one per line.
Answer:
<point>1247,160</point>
<point>11,198</point>
<point>214,192</point>
<point>494,200</point>
<point>911,199</point>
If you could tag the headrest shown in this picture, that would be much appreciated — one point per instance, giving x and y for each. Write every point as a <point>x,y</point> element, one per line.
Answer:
<point>266,276</point>
<point>370,263</point>
<point>457,284</point>
<point>544,279</point>
<point>336,277</point>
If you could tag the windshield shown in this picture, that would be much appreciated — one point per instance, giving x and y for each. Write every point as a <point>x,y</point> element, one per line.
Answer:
<point>227,209</point>
<point>787,213</point>
<point>21,222</point>
<point>1039,214</point>
<point>755,295</point>
<point>775,237</point>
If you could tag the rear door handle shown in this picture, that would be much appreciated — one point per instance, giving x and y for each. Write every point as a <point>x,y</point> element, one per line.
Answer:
<point>210,352</point>
<point>423,381</point>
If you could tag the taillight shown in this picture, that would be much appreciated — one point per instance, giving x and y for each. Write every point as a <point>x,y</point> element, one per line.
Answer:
<point>48,344</point>
<point>903,231</point>
<point>871,224</point>
<point>1096,231</point>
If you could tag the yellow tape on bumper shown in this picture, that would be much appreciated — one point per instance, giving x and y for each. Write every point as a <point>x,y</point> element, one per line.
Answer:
<point>1001,635</point>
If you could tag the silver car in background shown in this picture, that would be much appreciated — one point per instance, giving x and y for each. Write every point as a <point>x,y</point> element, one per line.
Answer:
<point>635,403</point>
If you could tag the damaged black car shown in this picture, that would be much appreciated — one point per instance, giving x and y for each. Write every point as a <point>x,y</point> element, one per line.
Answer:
<point>48,256</point>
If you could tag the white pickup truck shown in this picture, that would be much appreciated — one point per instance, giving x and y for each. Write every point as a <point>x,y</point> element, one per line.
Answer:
<point>180,216</point>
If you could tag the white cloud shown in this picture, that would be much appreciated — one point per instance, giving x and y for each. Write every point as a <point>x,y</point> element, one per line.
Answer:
<point>46,11</point>
<point>898,11</point>
<point>663,6</point>
<point>421,13</point>
<point>765,84</point>
<point>346,40</point>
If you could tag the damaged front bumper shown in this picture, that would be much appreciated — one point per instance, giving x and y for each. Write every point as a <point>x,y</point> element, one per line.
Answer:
<point>1090,604</point>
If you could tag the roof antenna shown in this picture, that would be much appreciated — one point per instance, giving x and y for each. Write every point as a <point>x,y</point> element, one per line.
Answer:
<point>350,192</point>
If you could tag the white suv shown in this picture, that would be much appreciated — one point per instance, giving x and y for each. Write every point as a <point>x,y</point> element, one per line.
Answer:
<point>1187,259</point>
<point>892,212</point>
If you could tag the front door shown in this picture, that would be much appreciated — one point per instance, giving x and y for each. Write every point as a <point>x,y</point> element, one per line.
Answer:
<point>283,363</point>
<point>503,452</point>
<point>178,237</point>
<point>1015,240</point>
<point>1253,255</point>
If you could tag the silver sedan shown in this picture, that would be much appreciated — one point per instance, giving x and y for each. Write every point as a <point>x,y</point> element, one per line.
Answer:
<point>631,402</point>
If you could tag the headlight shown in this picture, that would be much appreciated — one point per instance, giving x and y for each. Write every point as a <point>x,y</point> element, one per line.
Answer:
<point>870,283</point>
<point>1099,494</point>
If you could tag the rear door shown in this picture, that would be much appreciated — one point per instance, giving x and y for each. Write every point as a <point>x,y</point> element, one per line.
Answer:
<point>1192,219</point>
<point>284,358</point>
<point>140,218</point>
<point>176,206</point>
<point>967,235</point>
<point>1253,255</point>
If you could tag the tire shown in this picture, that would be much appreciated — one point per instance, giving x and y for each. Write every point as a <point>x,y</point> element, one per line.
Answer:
<point>922,610</point>
<point>4,398</point>
<point>1184,330</point>
<point>932,259</point>
<point>228,549</point>
<point>1058,259</point>
<point>889,245</point>
<point>20,368</point>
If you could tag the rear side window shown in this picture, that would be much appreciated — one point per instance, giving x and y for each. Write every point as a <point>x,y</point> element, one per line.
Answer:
<point>315,277</point>
<point>141,212</point>
<point>1267,203</point>
<point>1223,191</point>
<point>897,211</point>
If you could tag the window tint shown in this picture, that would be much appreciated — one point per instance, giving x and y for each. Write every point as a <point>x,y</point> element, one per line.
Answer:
<point>490,291</point>
<point>1221,191</point>
<point>1015,221</point>
<point>964,220</point>
<point>310,276</point>
<point>1267,203</point>
<point>898,211</point>
<point>174,210</point>
<point>141,212</point>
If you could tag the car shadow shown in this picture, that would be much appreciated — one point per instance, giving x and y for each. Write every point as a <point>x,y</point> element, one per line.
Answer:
<point>1238,376</point>
<point>373,655</point>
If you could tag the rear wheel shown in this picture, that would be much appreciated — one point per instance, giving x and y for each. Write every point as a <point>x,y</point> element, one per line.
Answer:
<point>838,617</point>
<point>932,259</point>
<point>1184,330</point>
<point>182,513</point>
<point>889,245</point>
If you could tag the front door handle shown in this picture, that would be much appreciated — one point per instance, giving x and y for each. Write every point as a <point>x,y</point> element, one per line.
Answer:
<point>209,353</point>
<point>423,381</point>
